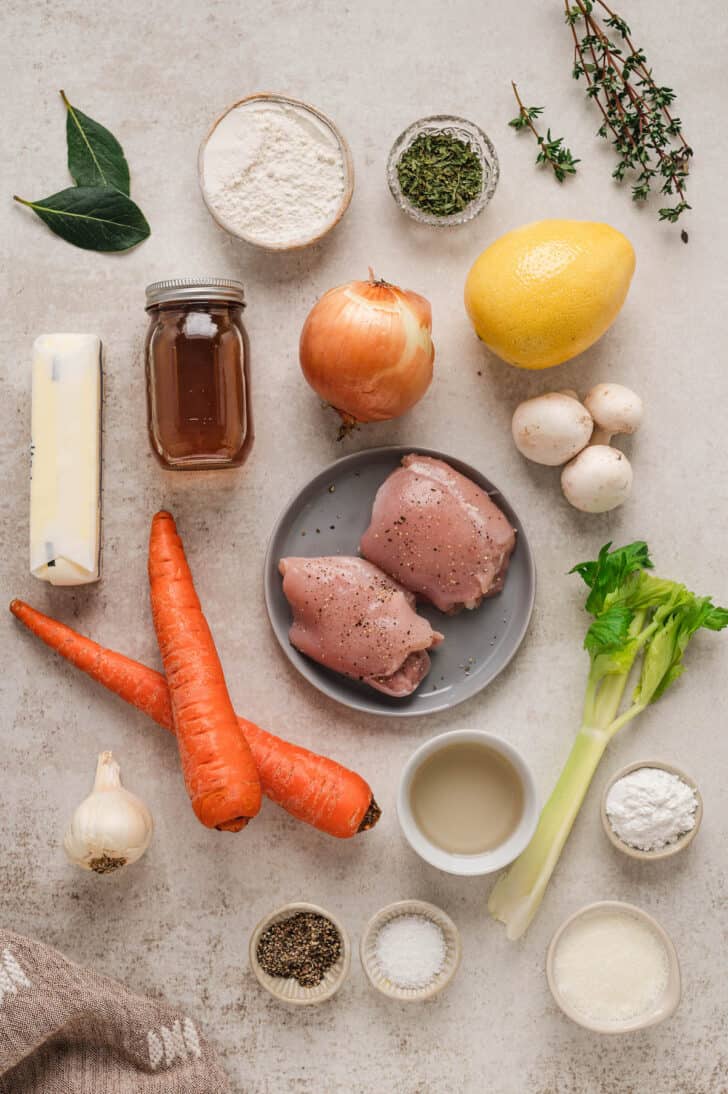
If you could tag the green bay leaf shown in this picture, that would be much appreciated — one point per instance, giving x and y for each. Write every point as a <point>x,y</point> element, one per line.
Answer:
<point>97,218</point>
<point>95,157</point>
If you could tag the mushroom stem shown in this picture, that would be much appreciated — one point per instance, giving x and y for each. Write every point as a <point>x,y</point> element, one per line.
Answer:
<point>601,436</point>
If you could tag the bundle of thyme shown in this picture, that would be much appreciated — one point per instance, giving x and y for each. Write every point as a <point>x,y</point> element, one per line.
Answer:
<point>552,150</point>
<point>635,109</point>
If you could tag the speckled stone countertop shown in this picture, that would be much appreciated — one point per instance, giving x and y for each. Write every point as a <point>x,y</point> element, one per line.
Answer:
<point>177,924</point>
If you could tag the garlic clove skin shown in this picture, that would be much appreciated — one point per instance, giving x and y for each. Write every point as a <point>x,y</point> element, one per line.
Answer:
<point>112,827</point>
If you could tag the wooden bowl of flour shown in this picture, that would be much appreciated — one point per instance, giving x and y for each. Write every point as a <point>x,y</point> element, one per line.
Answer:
<point>239,214</point>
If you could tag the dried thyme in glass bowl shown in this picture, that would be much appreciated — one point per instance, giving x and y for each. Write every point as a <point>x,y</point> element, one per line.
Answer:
<point>442,170</point>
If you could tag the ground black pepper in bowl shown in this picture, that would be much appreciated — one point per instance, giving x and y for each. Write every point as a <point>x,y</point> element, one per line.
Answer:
<point>302,947</point>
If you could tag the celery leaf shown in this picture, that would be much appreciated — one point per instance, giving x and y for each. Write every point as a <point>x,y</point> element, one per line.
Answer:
<point>609,631</point>
<point>610,570</point>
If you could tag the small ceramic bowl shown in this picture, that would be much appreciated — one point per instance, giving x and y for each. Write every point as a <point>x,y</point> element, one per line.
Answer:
<point>486,862</point>
<point>370,961</point>
<point>289,990</point>
<point>466,131</point>
<point>232,229</point>
<point>672,848</point>
<point>664,1008</point>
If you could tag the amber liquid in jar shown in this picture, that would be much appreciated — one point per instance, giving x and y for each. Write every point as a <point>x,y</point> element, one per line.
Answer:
<point>197,385</point>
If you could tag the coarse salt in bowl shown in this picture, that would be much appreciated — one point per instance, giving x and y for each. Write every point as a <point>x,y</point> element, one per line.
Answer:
<point>275,172</point>
<point>371,951</point>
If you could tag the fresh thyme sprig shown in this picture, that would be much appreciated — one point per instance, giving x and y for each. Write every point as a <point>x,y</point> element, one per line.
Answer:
<point>636,114</point>
<point>552,150</point>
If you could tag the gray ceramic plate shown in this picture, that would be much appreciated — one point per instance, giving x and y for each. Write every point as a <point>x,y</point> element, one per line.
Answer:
<point>328,517</point>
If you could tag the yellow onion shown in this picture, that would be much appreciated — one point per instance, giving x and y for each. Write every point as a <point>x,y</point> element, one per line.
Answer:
<point>366,349</point>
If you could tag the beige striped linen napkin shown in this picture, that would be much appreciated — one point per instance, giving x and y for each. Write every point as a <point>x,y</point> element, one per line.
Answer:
<point>65,1029</point>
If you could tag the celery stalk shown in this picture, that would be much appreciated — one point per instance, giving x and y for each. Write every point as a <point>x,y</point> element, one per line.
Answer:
<point>517,895</point>
<point>636,616</point>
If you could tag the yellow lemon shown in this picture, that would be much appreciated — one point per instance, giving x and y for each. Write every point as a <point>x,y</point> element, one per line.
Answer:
<point>545,292</point>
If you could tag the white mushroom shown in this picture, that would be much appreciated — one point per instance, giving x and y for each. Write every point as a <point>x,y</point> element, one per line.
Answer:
<point>615,409</point>
<point>550,429</point>
<point>598,479</point>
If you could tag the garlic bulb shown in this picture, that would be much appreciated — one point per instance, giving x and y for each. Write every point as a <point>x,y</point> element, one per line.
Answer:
<point>111,827</point>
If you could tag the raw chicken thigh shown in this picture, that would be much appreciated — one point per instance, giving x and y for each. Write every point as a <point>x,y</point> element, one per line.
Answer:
<point>439,534</point>
<point>352,618</point>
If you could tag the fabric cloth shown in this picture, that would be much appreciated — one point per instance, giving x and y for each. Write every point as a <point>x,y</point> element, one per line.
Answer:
<point>65,1029</point>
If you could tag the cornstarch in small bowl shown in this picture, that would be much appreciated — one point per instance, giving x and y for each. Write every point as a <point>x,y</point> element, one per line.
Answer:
<point>275,172</point>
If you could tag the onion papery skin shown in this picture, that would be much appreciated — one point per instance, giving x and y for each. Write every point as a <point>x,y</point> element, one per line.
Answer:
<point>366,348</point>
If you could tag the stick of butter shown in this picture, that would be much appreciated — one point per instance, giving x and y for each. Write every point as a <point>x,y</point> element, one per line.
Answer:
<point>65,479</point>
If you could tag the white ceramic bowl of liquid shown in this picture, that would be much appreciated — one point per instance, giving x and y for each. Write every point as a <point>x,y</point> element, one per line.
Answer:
<point>467,802</point>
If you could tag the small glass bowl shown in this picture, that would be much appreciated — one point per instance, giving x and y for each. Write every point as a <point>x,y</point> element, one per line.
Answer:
<point>465,131</point>
<point>235,230</point>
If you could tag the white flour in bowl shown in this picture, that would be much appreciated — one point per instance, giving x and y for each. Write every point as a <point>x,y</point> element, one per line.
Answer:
<point>274,173</point>
<point>650,808</point>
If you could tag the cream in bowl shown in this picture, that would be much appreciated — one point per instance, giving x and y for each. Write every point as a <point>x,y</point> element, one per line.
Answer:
<point>467,802</point>
<point>613,969</point>
<point>275,172</point>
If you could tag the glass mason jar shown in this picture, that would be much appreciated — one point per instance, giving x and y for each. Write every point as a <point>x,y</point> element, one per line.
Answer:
<point>198,389</point>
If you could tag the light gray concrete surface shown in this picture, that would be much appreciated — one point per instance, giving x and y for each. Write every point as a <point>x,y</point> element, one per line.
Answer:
<point>178,923</point>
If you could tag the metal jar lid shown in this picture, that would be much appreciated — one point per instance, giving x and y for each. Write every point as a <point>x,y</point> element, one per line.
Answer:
<point>188,289</point>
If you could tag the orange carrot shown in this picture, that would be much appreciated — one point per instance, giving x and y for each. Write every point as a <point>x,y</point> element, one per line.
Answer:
<point>218,767</point>
<point>312,788</point>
